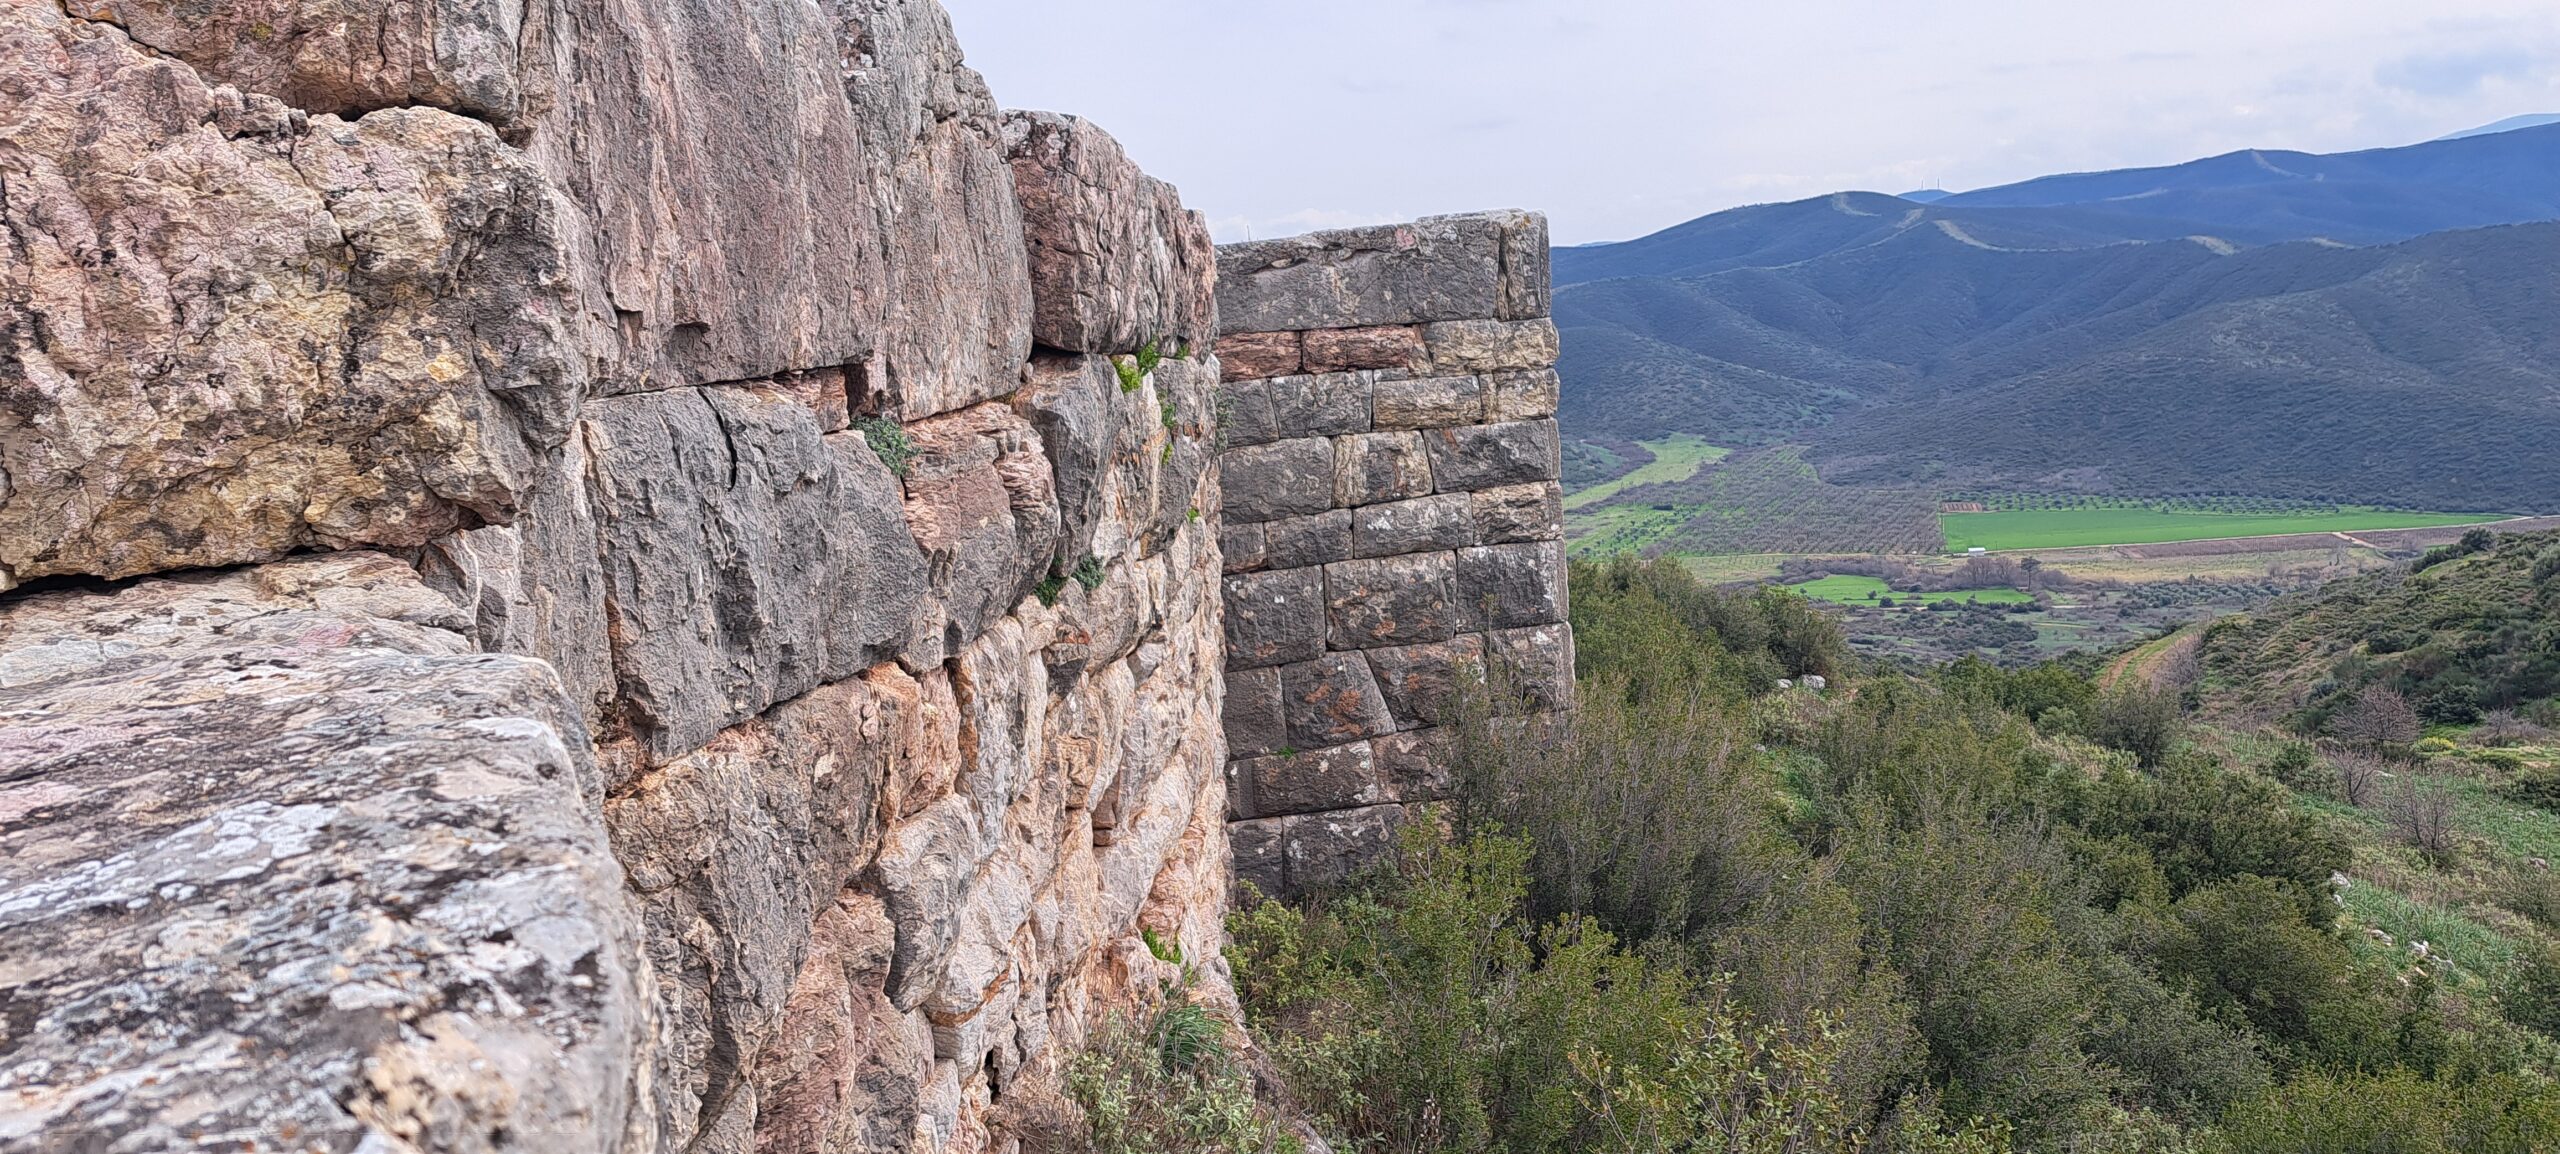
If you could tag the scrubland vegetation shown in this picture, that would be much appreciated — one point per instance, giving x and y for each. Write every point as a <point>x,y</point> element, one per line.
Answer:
<point>2253,903</point>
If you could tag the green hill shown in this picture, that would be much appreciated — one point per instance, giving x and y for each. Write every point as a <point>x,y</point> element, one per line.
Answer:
<point>2461,635</point>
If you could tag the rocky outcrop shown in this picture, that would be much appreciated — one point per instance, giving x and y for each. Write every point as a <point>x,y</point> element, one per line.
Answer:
<point>1397,522</point>
<point>514,635</point>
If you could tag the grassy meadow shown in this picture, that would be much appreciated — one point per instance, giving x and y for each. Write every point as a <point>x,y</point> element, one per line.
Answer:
<point>1851,589</point>
<point>2073,527</point>
<point>1674,458</point>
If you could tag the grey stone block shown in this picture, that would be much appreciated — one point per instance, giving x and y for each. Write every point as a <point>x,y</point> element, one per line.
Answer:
<point>1424,524</point>
<point>1273,617</point>
<point>1242,546</point>
<point>1490,346</point>
<point>1315,539</point>
<point>1530,512</point>
<point>1309,781</point>
<point>1526,282</point>
<point>1511,586</point>
<point>1440,268</point>
<point>1473,457</point>
<point>747,559</point>
<point>1324,849</point>
<point>1281,479</point>
<point>1428,402</point>
<point>1244,413</point>
<point>979,501</point>
<point>1073,401</point>
<point>1322,405</point>
<point>1535,663</point>
<point>1254,722</point>
<point>1373,467</point>
<point>1187,450</point>
<point>1421,682</point>
<point>1522,395</point>
<point>1414,765</point>
<point>1392,600</point>
<point>1331,700</point>
<point>1258,851</point>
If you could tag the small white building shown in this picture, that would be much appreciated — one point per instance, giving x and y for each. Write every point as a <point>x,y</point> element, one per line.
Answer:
<point>1977,551</point>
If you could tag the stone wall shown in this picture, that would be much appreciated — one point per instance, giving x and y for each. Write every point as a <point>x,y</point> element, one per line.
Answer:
<point>1393,521</point>
<point>577,576</point>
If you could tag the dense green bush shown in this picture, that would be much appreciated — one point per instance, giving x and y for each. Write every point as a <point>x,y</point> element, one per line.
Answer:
<point>2398,1112</point>
<point>1703,914</point>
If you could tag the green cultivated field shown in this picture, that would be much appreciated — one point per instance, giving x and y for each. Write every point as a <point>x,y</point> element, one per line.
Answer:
<point>2065,528</point>
<point>1852,590</point>
<point>1674,458</point>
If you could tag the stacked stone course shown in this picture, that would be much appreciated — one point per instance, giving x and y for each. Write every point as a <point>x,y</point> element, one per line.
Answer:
<point>1393,522</point>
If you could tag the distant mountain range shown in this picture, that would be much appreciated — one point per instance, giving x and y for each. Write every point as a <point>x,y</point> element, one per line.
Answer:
<point>2374,326</point>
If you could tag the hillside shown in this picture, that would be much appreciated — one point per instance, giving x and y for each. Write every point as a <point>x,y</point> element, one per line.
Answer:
<point>2361,327</point>
<point>2474,628</point>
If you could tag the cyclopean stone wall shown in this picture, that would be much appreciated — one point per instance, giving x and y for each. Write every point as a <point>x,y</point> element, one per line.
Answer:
<point>1389,454</point>
<point>574,576</point>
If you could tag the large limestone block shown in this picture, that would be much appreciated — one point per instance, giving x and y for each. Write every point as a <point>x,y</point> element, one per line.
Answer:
<point>1492,346</point>
<point>1076,404</point>
<point>1274,617</point>
<point>1342,777</point>
<point>734,849</point>
<point>1471,457</point>
<point>747,559</point>
<point>1280,479</point>
<point>1332,700</point>
<point>349,57</point>
<point>1421,683</point>
<point>981,498</point>
<point>1286,855</point>
<point>1436,269</point>
<point>283,857</point>
<point>848,1071</point>
<point>1369,468</point>
<point>1393,600</point>
<point>1116,261</point>
<point>236,331</point>
<point>1511,586</point>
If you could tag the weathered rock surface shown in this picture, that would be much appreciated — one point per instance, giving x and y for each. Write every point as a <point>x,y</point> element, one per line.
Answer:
<point>286,862</point>
<point>1116,261</point>
<point>234,330</point>
<point>346,58</point>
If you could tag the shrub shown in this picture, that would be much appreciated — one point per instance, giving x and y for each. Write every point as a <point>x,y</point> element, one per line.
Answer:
<point>2399,1112</point>
<point>2138,718</point>
<point>1167,1084</point>
<point>2299,767</point>
<point>2422,818</point>
<point>2379,716</point>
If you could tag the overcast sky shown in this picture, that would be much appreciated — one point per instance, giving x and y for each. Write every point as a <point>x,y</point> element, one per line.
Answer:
<point>1618,117</point>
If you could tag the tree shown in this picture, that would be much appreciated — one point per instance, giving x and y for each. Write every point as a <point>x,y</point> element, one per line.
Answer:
<point>2380,716</point>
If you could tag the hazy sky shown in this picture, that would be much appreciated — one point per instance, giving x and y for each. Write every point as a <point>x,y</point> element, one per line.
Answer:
<point>1618,117</point>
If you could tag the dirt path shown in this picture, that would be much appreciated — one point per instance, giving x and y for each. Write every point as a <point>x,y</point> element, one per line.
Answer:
<point>2158,663</point>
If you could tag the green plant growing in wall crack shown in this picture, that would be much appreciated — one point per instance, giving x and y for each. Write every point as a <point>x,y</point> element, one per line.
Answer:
<point>1133,370</point>
<point>888,441</point>
<point>1088,573</point>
